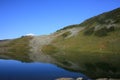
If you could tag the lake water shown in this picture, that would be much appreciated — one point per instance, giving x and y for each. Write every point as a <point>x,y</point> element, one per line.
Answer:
<point>15,70</point>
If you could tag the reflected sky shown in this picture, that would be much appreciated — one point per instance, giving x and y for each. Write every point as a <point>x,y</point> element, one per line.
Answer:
<point>15,70</point>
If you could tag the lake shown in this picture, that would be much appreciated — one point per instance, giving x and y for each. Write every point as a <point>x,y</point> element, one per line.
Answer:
<point>16,70</point>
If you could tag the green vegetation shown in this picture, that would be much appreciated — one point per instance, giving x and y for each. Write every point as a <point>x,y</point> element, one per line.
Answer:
<point>96,52</point>
<point>101,32</point>
<point>96,55</point>
<point>55,52</point>
<point>18,49</point>
<point>89,31</point>
<point>66,34</point>
<point>49,49</point>
<point>70,26</point>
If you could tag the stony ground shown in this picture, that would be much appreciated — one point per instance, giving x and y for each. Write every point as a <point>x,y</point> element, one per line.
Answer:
<point>38,41</point>
<point>36,44</point>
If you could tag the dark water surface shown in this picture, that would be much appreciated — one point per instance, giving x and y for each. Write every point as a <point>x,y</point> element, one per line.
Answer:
<point>15,70</point>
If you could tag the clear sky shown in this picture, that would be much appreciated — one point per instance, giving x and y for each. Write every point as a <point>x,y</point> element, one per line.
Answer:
<point>20,17</point>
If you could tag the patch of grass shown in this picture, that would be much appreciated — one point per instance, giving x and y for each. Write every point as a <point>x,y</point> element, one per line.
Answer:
<point>55,53</point>
<point>64,35</point>
<point>70,26</point>
<point>89,31</point>
<point>19,49</point>
<point>49,49</point>
<point>102,32</point>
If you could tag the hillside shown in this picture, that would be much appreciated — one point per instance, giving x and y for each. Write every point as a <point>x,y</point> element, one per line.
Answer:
<point>16,49</point>
<point>97,34</point>
<point>92,47</point>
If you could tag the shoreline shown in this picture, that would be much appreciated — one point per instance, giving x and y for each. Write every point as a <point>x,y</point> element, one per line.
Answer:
<point>80,78</point>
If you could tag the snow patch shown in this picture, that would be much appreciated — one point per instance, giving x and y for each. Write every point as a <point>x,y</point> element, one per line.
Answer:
<point>30,34</point>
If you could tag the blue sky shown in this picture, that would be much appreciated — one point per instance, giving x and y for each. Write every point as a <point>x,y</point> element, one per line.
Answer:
<point>20,17</point>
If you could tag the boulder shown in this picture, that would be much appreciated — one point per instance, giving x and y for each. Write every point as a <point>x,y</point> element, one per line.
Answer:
<point>65,79</point>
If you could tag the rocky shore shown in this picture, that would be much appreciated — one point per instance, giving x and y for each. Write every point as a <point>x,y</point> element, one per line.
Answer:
<point>80,78</point>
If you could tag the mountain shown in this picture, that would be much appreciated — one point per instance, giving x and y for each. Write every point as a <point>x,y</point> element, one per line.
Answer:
<point>92,47</point>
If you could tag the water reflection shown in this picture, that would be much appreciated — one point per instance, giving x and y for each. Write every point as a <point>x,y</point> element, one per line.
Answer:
<point>15,70</point>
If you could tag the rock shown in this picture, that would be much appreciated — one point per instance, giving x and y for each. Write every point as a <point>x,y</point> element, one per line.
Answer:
<point>65,79</point>
<point>102,79</point>
<point>80,78</point>
<point>107,79</point>
<point>113,79</point>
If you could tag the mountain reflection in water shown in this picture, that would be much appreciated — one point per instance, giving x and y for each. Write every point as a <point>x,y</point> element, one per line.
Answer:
<point>15,70</point>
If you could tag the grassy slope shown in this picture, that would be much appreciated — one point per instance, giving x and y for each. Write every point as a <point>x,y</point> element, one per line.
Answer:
<point>18,49</point>
<point>96,54</point>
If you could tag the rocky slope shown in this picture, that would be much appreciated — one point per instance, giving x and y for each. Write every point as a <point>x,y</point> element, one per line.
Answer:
<point>36,45</point>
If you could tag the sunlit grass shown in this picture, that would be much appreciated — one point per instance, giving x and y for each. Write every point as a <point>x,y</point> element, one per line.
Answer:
<point>88,52</point>
<point>19,49</point>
